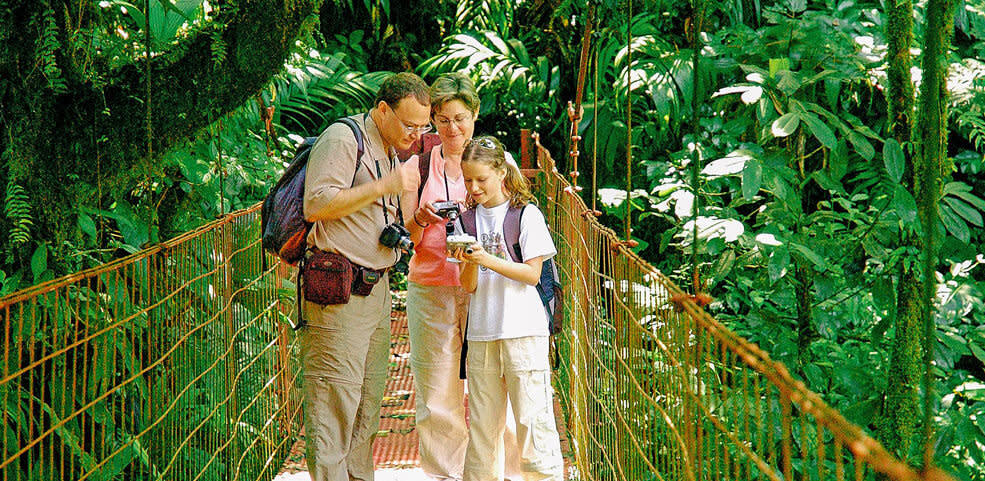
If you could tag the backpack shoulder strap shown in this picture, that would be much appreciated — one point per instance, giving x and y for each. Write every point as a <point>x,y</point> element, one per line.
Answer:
<point>511,231</point>
<point>424,167</point>
<point>468,221</point>
<point>359,143</point>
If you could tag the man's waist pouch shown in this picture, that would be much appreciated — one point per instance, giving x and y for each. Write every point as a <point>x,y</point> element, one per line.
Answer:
<point>331,278</point>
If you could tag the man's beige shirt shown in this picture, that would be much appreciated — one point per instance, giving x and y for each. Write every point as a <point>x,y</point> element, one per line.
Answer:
<point>331,169</point>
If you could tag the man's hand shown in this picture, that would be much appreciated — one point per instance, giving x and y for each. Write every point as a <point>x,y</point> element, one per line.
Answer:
<point>403,177</point>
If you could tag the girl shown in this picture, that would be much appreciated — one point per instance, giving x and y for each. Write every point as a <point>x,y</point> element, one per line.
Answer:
<point>508,341</point>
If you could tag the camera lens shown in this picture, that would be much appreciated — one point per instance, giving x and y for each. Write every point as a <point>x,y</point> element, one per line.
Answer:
<point>396,236</point>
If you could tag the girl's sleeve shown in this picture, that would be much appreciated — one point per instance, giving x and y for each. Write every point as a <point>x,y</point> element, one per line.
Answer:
<point>535,238</point>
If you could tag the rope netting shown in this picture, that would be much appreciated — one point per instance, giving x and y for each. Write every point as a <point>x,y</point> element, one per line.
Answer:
<point>655,388</point>
<point>178,363</point>
<point>172,363</point>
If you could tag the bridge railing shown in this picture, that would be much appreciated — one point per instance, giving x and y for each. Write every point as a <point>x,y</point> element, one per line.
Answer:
<point>177,363</point>
<point>173,363</point>
<point>654,388</point>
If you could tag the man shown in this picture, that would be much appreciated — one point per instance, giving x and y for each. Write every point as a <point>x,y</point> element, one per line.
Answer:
<point>345,347</point>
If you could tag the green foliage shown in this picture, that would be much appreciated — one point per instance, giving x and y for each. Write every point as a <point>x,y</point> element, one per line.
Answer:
<point>515,88</point>
<point>17,209</point>
<point>47,46</point>
<point>493,16</point>
<point>316,90</point>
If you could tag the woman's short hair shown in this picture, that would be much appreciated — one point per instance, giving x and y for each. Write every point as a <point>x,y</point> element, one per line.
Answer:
<point>454,86</point>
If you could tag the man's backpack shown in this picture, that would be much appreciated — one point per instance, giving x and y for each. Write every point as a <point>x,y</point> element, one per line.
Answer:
<point>285,230</point>
<point>549,286</point>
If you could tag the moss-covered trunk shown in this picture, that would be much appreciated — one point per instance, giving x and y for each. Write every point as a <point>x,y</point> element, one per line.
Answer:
<point>901,406</point>
<point>930,171</point>
<point>78,123</point>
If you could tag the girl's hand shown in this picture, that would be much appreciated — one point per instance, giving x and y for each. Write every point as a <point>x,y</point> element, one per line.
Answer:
<point>473,254</point>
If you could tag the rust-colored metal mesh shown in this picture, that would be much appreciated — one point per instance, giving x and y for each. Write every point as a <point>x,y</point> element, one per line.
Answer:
<point>176,363</point>
<point>657,390</point>
<point>173,363</point>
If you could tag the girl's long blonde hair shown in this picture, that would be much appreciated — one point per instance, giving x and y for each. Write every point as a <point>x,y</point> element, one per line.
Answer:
<point>489,150</point>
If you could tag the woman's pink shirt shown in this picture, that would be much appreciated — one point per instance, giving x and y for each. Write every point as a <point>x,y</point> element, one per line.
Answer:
<point>428,265</point>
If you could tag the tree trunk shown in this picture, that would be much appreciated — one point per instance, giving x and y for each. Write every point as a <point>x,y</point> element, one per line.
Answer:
<point>900,410</point>
<point>77,123</point>
<point>928,180</point>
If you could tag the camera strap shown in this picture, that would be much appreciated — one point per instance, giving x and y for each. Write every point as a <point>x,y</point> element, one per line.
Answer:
<point>379,175</point>
<point>444,175</point>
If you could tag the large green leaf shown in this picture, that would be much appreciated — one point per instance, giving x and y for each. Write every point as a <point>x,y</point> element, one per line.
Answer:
<point>905,206</point>
<point>785,125</point>
<point>87,225</point>
<point>838,161</point>
<point>810,255</point>
<point>955,224</point>
<point>779,262</point>
<point>752,178</point>
<point>964,210</point>
<point>892,157</point>
<point>39,261</point>
<point>821,131</point>
<point>862,145</point>
<point>963,191</point>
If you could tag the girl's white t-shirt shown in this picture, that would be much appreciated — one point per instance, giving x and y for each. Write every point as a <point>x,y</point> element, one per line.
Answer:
<point>502,308</point>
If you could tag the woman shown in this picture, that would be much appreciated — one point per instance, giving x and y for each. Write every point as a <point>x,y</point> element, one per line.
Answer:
<point>436,304</point>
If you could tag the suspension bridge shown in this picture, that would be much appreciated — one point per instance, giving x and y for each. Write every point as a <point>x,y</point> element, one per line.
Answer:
<point>179,363</point>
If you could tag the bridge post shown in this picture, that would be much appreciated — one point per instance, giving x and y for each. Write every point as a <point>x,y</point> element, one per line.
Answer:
<point>525,162</point>
<point>231,359</point>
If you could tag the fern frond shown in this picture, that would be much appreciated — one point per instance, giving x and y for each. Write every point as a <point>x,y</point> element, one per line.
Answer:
<point>974,122</point>
<point>218,47</point>
<point>47,45</point>
<point>18,212</point>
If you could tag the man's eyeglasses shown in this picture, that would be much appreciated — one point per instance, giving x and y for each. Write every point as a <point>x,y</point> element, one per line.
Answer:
<point>423,129</point>
<point>459,120</point>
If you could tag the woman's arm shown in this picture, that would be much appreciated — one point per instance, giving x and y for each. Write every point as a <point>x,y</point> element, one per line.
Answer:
<point>416,217</point>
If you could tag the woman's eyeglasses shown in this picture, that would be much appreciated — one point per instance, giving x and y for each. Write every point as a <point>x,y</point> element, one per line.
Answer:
<point>459,120</point>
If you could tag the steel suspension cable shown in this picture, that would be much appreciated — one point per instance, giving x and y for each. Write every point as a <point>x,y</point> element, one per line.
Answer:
<point>695,151</point>
<point>574,111</point>
<point>595,133</point>
<point>629,118</point>
<point>147,47</point>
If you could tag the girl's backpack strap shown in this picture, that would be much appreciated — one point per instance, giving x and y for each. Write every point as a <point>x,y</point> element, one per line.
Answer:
<point>511,231</point>
<point>468,222</point>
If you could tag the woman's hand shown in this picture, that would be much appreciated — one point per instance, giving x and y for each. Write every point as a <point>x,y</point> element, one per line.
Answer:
<point>425,215</point>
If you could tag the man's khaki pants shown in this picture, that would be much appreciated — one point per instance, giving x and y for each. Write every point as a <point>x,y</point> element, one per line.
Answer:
<point>436,321</point>
<point>517,369</point>
<point>345,350</point>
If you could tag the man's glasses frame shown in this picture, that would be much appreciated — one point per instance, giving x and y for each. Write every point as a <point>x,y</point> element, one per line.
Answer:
<point>409,130</point>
